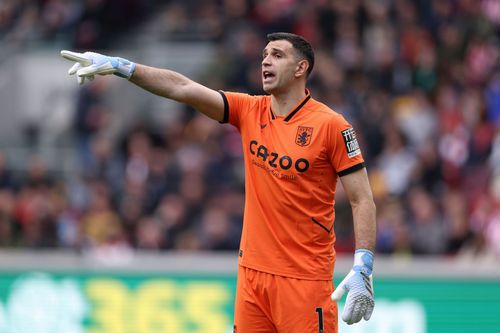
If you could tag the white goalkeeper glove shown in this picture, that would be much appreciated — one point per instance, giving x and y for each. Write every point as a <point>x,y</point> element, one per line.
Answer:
<point>89,64</point>
<point>359,286</point>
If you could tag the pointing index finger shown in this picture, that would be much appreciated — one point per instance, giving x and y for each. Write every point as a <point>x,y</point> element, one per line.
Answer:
<point>75,56</point>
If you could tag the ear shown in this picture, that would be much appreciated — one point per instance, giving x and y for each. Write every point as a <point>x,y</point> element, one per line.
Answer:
<point>302,67</point>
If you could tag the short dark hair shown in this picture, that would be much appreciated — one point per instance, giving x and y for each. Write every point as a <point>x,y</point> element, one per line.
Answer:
<point>299,43</point>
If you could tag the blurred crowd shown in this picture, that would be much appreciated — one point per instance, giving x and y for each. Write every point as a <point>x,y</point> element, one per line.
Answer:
<point>419,80</point>
<point>75,23</point>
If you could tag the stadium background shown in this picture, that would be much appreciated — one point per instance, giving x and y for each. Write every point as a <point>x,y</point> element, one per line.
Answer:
<point>121,211</point>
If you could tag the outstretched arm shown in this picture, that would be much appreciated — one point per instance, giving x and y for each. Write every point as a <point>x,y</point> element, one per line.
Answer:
<point>175,86</point>
<point>162,82</point>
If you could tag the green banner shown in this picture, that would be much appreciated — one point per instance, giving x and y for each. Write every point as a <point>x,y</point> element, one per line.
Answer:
<point>154,303</point>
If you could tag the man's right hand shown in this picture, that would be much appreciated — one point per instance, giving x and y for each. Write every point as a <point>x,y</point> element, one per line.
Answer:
<point>89,64</point>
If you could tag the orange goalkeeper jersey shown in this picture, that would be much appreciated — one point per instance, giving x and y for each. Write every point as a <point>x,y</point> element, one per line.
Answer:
<point>291,167</point>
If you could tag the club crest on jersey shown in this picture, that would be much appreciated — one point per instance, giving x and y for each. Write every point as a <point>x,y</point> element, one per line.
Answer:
<point>304,135</point>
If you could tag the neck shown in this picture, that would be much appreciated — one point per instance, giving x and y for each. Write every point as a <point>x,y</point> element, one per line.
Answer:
<point>283,102</point>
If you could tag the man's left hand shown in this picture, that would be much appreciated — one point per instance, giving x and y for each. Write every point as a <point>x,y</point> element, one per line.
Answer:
<point>359,286</point>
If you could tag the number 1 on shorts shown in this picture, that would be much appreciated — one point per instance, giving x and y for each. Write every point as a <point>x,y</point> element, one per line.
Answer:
<point>319,311</point>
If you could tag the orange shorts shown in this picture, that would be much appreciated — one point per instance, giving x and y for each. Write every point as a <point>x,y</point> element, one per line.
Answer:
<point>267,303</point>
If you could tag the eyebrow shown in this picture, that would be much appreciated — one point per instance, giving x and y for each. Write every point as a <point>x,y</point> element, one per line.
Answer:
<point>273,49</point>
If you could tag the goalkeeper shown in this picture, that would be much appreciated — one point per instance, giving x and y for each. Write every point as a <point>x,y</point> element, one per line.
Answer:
<point>295,149</point>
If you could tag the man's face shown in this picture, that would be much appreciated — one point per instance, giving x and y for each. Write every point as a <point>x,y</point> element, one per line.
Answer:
<point>279,65</point>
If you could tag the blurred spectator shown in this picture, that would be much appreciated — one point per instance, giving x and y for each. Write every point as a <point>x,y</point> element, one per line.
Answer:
<point>101,226</point>
<point>149,234</point>
<point>393,234</point>
<point>172,213</point>
<point>91,118</point>
<point>458,229</point>
<point>217,232</point>
<point>9,229</point>
<point>6,177</point>
<point>427,230</point>
<point>396,161</point>
<point>492,99</point>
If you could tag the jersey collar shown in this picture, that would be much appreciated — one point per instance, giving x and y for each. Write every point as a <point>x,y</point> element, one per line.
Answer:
<point>296,109</point>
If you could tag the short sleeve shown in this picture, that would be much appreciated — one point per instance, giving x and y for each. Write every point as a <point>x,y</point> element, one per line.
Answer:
<point>345,153</point>
<point>236,106</point>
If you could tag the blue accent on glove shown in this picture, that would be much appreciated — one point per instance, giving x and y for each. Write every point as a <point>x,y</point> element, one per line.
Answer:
<point>365,261</point>
<point>124,67</point>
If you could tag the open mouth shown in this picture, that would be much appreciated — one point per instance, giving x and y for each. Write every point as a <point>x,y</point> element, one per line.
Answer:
<point>267,75</point>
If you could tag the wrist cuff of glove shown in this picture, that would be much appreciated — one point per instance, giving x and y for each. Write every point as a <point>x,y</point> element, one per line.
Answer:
<point>125,68</point>
<point>363,257</point>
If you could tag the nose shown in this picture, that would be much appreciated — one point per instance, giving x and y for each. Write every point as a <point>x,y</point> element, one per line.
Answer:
<point>265,61</point>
